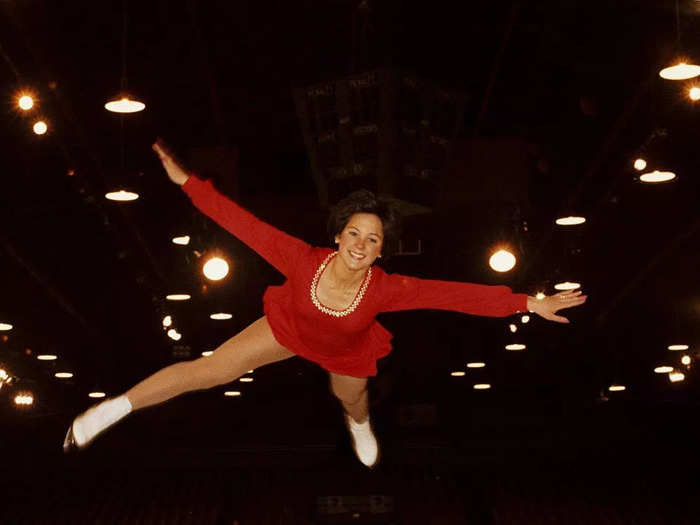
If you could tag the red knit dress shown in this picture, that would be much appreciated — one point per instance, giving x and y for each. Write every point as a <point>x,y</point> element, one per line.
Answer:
<point>349,344</point>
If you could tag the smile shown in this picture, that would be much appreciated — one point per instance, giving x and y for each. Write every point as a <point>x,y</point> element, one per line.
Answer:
<point>356,256</point>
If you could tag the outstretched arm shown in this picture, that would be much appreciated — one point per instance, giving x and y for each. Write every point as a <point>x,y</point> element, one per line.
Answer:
<point>281,250</point>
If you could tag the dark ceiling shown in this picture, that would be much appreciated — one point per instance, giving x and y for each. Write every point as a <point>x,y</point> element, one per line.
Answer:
<point>561,97</point>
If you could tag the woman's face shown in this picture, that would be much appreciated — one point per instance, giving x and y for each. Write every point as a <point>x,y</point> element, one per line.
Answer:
<point>360,242</point>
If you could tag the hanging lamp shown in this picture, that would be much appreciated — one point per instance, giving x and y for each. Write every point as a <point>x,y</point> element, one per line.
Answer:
<point>682,70</point>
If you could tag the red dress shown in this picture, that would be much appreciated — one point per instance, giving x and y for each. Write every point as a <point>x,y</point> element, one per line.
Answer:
<point>350,344</point>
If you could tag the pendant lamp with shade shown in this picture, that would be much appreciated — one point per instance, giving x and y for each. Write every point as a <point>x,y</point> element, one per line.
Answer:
<point>681,70</point>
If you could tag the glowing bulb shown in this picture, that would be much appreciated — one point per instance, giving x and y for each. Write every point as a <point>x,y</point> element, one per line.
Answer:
<point>40,127</point>
<point>616,388</point>
<point>657,176</point>
<point>515,346</point>
<point>570,220</point>
<point>458,373</point>
<point>540,296</point>
<point>663,369</point>
<point>64,375</point>
<point>46,357</point>
<point>680,71</point>
<point>207,353</point>
<point>246,379</point>
<point>525,319</point>
<point>221,316</point>
<point>125,105</point>
<point>676,376</point>
<point>640,164</point>
<point>685,360</point>
<point>174,335</point>
<point>182,241</point>
<point>502,261</point>
<point>178,297</point>
<point>678,347</point>
<point>216,268</point>
<point>482,386</point>
<point>97,395</point>
<point>5,327</point>
<point>121,196</point>
<point>694,93</point>
<point>25,102</point>
<point>513,328</point>
<point>476,364</point>
<point>24,399</point>
<point>167,321</point>
<point>232,393</point>
<point>567,286</point>
<point>251,371</point>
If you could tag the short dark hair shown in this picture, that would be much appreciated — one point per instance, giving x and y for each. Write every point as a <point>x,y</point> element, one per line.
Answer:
<point>364,201</point>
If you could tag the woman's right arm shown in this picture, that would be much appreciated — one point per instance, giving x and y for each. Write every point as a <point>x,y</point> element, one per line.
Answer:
<point>281,250</point>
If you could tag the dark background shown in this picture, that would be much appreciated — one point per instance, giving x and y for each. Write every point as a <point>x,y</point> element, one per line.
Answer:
<point>561,97</point>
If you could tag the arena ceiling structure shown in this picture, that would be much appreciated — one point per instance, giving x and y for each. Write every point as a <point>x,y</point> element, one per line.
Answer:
<point>487,121</point>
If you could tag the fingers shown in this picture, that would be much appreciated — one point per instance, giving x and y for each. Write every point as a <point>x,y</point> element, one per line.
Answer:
<point>573,301</point>
<point>559,319</point>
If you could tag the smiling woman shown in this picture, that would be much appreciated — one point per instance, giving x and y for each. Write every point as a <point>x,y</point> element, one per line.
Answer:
<point>325,312</point>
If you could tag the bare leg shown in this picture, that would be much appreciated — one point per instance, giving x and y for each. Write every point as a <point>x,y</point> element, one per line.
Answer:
<point>352,393</point>
<point>251,348</point>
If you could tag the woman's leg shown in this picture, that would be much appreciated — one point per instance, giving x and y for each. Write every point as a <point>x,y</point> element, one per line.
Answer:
<point>352,394</point>
<point>251,348</point>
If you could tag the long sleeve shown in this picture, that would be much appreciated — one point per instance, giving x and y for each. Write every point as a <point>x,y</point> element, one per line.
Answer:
<point>410,293</point>
<point>278,248</point>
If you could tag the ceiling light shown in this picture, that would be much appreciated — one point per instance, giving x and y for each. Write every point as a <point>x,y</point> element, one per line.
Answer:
<point>515,346</point>
<point>675,377</point>
<point>525,319</point>
<point>540,296</point>
<point>513,328</point>
<point>207,353</point>
<point>232,393</point>
<point>215,269</point>
<point>680,71</point>
<point>640,164</point>
<point>664,369</point>
<point>246,379</point>
<point>167,320</point>
<point>657,176</point>
<point>121,196</point>
<point>457,373</point>
<point>174,335</point>
<point>476,364</point>
<point>178,297</point>
<point>570,220</point>
<point>24,399</point>
<point>46,357</point>
<point>694,93</point>
<point>686,360</point>
<point>677,347</point>
<point>251,371</point>
<point>502,261</point>
<point>40,127</point>
<point>567,286</point>
<point>617,388</point>
<point>64,375</point>
<point>25,102</point>
<point>182,241</point>
<point>482,386</point>
<point>5,327</point>
<point>124,104</point>
<point>97,395</point>
<point>221,316</point>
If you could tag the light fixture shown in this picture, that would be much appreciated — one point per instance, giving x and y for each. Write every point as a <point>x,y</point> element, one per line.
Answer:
<point>124,102</point>
<point>675,348</point>
<point>24,399</point>
<point>540,296</point>
<point>215,269</point>
<point>178,297</point>
<point>515,346</point>
<point>221,316</point>
<point>64,375</point>
<point>513,328</point>
<point>685,360</point>
<point>525,319</point>
<point>571,220</point>
<point>207,353</point>
<point>251,371</point>
<point>482,386</point>
<point>167,321</point>
<point>232,393</point>
<point>457,373</point>
<point>121,196</point>
<point>657,176</point>
<point>694,93</point>
<point>47,357</point>
<point>676,376</point>
<point>246,379</point>
<point>4,327</point>
<point>25,102</point>
<point>502,261</point>
<point>617,388</point>
<point>97,395</point>
<point>680,71</point>
<point>174,334</point>
<point>567,286</point>
<point>640,164</point>
<point>40,127</point>
<point>664,369</point>
<point>184,240</point>
<point>476,364</point>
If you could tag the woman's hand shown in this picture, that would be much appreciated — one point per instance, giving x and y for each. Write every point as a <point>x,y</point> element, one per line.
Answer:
<point>548,306</point>
<point>175,172</point>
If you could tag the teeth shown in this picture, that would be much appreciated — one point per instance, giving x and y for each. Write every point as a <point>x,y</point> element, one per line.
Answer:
<point>357,255</point>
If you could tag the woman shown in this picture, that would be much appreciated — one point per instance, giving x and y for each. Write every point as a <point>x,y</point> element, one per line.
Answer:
<point>324,312</point>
